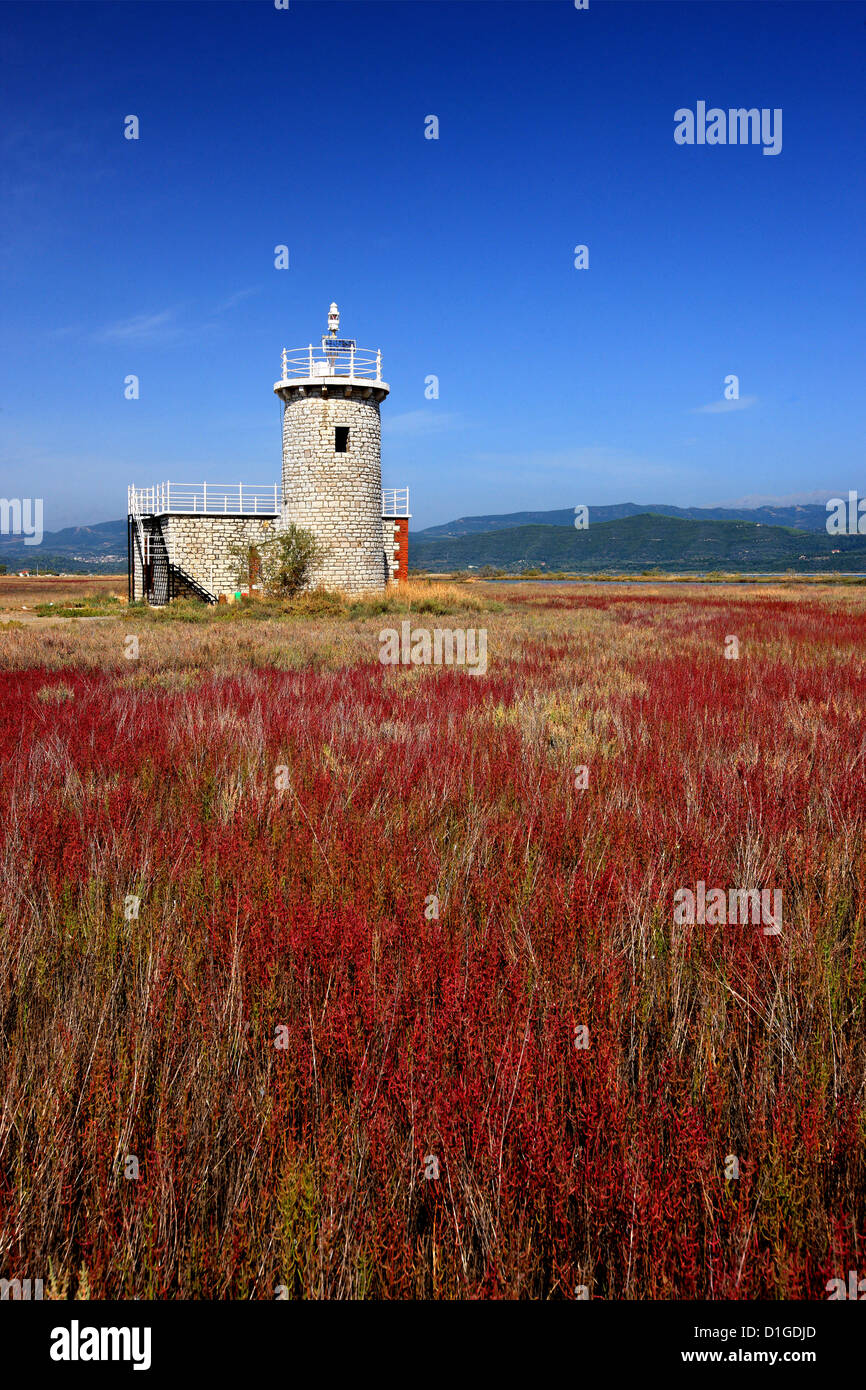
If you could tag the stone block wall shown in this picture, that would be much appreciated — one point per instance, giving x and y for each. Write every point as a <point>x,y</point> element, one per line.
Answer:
<point>395,534</point>
<point>336,496</point>
<point>201,546</point>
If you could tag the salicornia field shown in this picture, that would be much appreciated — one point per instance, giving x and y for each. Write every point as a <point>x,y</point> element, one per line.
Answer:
<point>328,978</point>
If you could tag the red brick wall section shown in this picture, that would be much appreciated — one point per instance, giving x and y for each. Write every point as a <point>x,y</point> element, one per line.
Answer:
<point>401,536</point>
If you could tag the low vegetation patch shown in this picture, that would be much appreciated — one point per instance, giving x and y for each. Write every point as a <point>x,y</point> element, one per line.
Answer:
<point>365,981</point>
<point>88,606</point>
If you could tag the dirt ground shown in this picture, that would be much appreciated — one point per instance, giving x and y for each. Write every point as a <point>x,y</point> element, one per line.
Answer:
<point>24,593</point>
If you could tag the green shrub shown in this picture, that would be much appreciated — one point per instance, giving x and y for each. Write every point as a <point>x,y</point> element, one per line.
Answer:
<point>55,694</point>
<point>282,565</point>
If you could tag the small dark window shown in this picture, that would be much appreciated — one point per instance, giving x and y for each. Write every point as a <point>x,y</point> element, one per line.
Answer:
<point>341,439</point>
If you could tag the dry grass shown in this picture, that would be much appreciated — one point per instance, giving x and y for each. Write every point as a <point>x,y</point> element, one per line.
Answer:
<point>304,905</point>
<point>16,592</point>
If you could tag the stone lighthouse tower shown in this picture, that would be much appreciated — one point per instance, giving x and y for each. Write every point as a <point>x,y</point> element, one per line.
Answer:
<point>332,465</point>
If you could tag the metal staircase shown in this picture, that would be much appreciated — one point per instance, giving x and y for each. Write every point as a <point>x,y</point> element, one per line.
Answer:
<point>177,572</point>
<point>163,572</point>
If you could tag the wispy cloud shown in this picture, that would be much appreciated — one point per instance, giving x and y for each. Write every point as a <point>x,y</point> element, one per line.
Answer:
<point>234,299</point>
<point>419,422</point>
<point>723,407</point>
<point>165,326</point>
<point>141,328</point>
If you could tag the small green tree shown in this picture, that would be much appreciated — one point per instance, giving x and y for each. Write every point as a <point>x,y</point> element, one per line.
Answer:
<point>282,565</point>
<point>288,561</point>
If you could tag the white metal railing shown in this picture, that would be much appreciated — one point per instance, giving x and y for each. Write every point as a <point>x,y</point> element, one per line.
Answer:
<point>330,361</point>
<point>173,554</point>
<point>215,499</point>
<point>395,501</point>
<point>135,512</point>
<point>226,498</point>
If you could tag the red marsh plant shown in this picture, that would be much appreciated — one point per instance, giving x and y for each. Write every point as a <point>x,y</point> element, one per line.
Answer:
<point>272,939</point>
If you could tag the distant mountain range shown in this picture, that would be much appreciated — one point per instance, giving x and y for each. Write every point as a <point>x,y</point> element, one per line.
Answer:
<point>802,518</point>
<point>75,548</point>
<point>626,537</point>
<point>640,542</point>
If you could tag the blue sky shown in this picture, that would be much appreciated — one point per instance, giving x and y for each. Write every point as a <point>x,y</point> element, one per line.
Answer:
<point>260,127</point>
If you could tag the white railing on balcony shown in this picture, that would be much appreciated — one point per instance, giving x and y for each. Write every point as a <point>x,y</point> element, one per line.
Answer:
<point>302,364</point>
<point>395,501</point>
<point>226,498</point>
<point>230,499</point>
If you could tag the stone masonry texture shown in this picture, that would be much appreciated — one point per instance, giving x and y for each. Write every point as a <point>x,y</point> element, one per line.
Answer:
<point>336,496</point>
<point>202,546</point>
<point>395,536</point>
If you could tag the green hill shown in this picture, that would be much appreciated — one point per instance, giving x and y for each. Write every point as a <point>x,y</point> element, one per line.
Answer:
<point>808,517</point>
<point>642,542</point>
<point>75,548</point>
